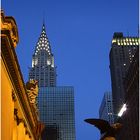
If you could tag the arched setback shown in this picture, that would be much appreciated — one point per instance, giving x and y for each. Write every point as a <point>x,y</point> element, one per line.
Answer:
<point>21,131</point>
<point>7,105</point>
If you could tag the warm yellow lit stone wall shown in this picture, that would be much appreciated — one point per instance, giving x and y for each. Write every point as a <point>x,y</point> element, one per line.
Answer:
<point>10,129</point>
<point>18,118</point>
<point>7,113</point>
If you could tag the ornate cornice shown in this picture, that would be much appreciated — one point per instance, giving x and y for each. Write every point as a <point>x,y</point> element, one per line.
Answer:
<point>9,28</point>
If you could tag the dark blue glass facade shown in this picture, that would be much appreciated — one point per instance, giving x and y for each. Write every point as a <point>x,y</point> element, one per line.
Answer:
<point>56,106</point>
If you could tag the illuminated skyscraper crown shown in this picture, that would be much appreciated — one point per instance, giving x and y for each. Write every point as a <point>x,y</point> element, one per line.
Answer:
<point>43,68</point>
<point>43,42</point>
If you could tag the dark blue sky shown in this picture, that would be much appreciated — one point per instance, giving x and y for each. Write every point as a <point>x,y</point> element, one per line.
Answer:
<point>80,33</point>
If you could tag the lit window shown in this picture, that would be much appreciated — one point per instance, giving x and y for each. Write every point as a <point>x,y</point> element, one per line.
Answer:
<point>114,40</point>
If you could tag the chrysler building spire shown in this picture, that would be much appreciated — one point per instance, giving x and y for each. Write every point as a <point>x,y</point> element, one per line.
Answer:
<point>43,42</point>
<point>43,67</point>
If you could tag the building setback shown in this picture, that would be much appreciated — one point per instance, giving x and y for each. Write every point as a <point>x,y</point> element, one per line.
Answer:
<point>121,56</point>
<point>106,108</point>
<point>56,104</point>
<point>130,119</point>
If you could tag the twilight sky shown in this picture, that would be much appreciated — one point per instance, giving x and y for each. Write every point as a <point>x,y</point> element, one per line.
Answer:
<point>80,33</point>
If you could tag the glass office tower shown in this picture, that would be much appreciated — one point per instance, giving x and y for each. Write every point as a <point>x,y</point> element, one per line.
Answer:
<point>106,108</point>
<point>57,110</point>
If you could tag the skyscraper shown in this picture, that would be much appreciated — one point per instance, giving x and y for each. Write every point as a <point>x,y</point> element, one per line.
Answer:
<point>56,106</point>
<point>130,118</point>
<point>121,56</point>
<point>55,103</point>
<point>106,108</point>
<point>43,67</point>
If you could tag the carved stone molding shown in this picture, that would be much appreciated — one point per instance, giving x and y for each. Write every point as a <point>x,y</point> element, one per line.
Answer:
<point>13,96</point>
<point>20,120</point>
<point>28,133</point>
<point>9,27</point>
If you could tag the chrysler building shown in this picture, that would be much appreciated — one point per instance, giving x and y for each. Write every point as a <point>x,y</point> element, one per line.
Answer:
<point>43,68</point>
